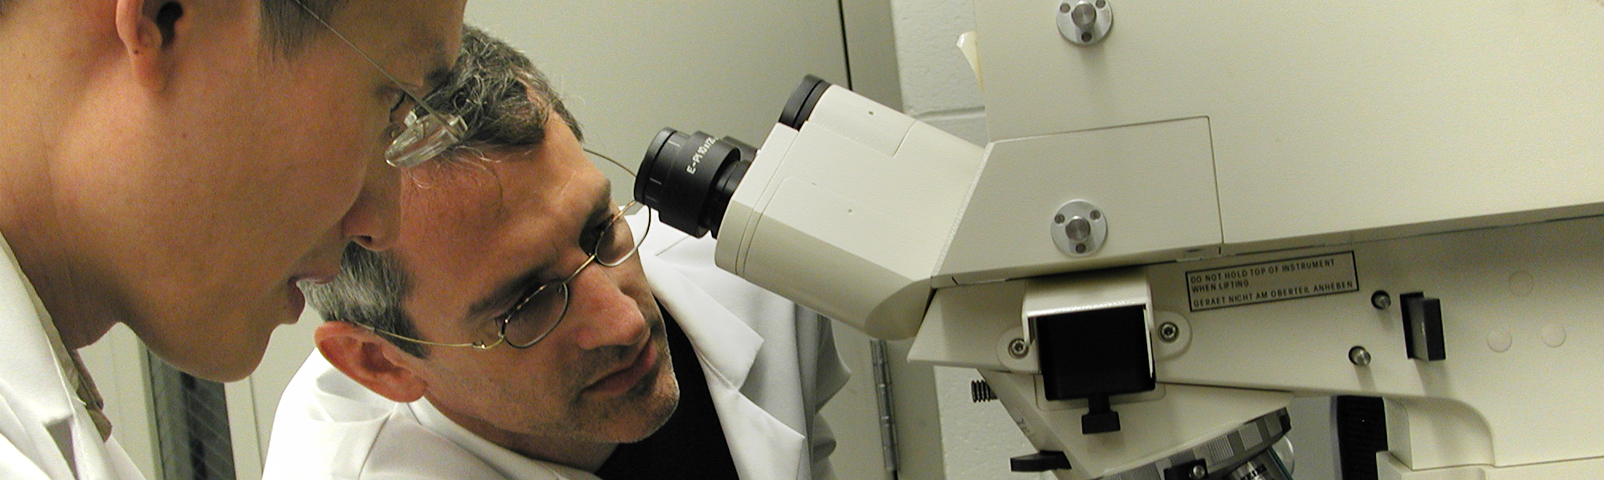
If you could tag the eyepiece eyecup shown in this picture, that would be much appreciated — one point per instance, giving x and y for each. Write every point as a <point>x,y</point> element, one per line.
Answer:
<point>689,179</point>
<point>800,106</point>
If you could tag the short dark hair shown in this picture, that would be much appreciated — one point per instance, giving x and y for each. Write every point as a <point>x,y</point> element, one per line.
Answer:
<point>502,98</point>
<point>504,102</point>
<point>288,25</point>
<point>285,22</point>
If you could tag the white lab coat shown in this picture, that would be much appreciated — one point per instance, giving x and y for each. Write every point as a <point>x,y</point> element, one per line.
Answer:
<point>770,366</point>
<point>45,432</point>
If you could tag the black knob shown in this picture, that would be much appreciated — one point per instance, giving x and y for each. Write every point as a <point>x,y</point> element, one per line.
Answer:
<point>1039,462</point>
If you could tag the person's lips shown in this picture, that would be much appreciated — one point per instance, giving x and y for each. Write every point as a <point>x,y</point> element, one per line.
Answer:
<point>296,298</point>
<point>318,277</point>
<point>628,375</point>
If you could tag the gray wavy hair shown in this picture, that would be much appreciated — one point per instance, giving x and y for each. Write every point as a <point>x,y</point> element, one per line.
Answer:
<point>504,103</point>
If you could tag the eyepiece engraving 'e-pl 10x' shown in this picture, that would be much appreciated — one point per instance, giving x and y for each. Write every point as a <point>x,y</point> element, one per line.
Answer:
<point>689,179</point>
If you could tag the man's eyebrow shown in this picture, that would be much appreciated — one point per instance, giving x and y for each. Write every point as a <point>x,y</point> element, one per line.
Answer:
<point>513,290</point>
<point>508,292</point>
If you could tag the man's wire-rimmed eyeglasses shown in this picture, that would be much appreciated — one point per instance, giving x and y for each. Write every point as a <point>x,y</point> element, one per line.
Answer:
<point>538,312</point>
<point>419,137</point>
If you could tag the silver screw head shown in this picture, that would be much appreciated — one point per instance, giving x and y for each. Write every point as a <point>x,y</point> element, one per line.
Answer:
<point>1168,332</point>
<point>1018,348</point>
<point>1079,229</point>
<point>1084,15</point>
<point>1359,356</point>
<point>1199,471</point>
<point>1381,300</point>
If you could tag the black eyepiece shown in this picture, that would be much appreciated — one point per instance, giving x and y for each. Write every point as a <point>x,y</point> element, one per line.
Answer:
<point>689,179</point>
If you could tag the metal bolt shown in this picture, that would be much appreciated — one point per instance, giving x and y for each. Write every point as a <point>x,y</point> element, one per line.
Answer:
<point>1199,471</point>
<point>1063,8</point>
<point>1168,332</point>
<point>1381,300</point>
<point>1018,348</point>
<point>1084,15</point>
<point>1078,229</point>
<point>1359,356</point>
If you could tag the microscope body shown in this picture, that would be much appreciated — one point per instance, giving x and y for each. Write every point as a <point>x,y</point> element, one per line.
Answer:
<point>1259,199</point>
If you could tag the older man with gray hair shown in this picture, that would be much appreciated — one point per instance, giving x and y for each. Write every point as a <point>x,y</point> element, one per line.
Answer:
<point>527,327</point>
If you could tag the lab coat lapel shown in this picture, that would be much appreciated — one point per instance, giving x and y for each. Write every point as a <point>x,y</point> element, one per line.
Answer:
<point>51,428</point>
<point>760,444</point>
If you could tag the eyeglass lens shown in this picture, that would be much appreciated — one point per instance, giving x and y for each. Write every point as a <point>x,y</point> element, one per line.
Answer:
<point>541,313</point>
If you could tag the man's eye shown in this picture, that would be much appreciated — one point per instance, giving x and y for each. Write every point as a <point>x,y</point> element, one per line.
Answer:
<point>398,111</point>
<point>592,236</point>
<point>401,99</point>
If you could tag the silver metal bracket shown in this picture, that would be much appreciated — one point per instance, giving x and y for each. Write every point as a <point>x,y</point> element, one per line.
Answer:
<point>1079,228</point>
<point>1085,22</point>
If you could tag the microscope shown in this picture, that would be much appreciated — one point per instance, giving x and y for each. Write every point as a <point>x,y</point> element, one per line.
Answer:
<point>1193,214</point>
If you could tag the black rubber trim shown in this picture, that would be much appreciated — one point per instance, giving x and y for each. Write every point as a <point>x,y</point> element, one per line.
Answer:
<point>649,163</point>
<point>800,106</point>
<point>1361,427</point>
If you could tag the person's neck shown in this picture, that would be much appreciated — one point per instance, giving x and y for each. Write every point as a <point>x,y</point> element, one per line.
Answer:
<point>43,91</point>
<point>585,456</point>
<point>35,227</point>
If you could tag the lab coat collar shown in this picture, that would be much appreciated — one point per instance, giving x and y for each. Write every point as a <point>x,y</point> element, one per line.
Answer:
<point>705,322</point>
<point>36,383</point>
<point>759,443</point>
<point>510,464</point>
<point>30,340</point>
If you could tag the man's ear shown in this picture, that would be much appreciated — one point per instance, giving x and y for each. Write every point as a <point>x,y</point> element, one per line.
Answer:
<point>363,356</point>
<point>148,30</point>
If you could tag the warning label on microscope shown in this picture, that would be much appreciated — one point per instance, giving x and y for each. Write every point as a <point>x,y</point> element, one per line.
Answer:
<point>1271,281</point>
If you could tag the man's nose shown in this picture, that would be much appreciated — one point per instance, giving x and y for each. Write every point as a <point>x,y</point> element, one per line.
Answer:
<point>604,314</point>
<point>374,221</point>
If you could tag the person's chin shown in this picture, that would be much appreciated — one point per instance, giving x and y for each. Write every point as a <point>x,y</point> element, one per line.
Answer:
<point>231,354</point>
<point>219,362</point>
<point>655,406</point>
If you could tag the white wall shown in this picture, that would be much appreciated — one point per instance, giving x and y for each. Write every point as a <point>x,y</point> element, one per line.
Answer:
<point>976,440</point>
<point>117,364</point>
<point>627,70</point>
